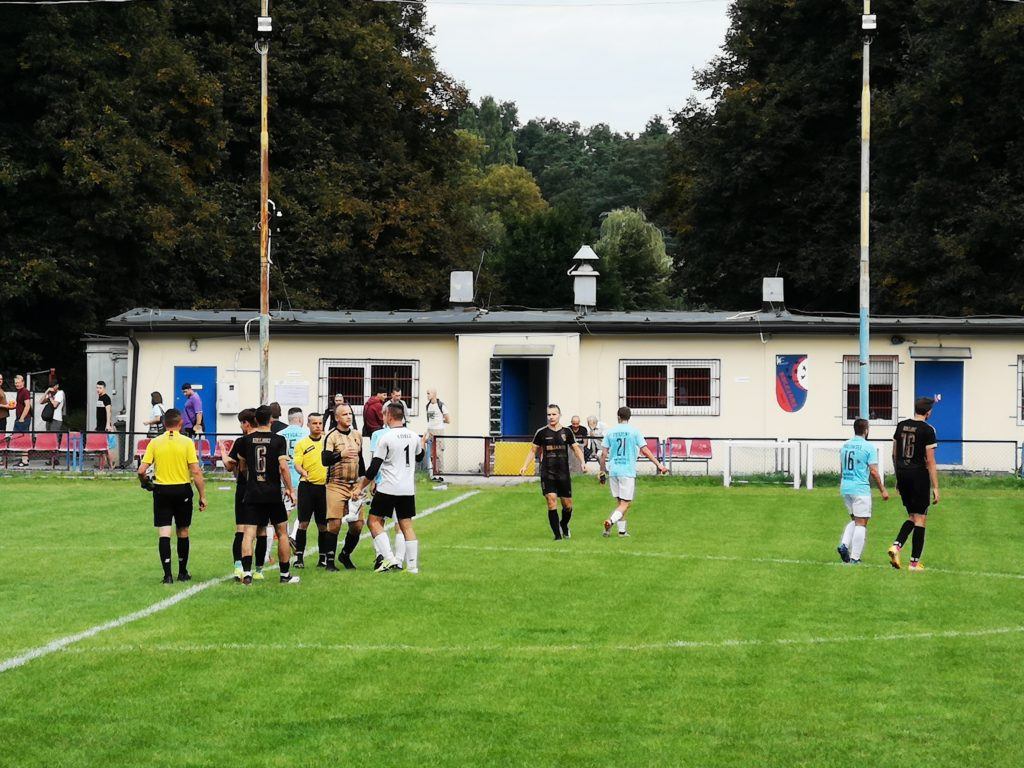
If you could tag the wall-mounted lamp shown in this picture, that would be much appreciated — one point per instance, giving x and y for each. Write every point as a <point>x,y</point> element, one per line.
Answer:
<point>193,345</point>
<point>897,340</point>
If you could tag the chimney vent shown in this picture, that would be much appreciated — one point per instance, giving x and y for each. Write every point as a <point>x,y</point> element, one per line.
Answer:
<point>584,279</point>
<point>772,295</point>
<point>461,289</point>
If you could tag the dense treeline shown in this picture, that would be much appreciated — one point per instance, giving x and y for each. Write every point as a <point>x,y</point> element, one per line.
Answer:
<point>128,168</point>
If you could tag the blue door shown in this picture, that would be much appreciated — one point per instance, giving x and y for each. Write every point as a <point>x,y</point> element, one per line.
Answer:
<point>204,381</point>
<point>515,397</point>
<point>944,381</point>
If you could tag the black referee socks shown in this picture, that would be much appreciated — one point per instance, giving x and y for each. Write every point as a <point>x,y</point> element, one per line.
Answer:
<point>917,545</point>
<point>182,555</point>
<point>236,547</point>
<point>165,554</point>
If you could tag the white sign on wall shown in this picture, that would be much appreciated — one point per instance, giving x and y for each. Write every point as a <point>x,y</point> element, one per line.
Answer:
<point>292,394</point>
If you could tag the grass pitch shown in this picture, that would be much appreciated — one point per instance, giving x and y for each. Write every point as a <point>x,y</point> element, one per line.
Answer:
<point>724,632</point>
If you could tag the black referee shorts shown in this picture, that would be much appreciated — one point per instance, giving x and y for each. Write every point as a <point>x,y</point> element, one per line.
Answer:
<point>312,503</point>
<point>384,505</point>
<point>172,505</point>
<point>915,490</point>
<point>560,486</point>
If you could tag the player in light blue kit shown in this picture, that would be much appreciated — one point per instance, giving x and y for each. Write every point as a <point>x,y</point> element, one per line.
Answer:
<point>621,446</point>
<point>859,463</point>
<point>294,432</point>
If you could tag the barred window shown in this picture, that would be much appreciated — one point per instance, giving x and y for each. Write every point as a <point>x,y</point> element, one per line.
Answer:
<point>357,380</point>
<point>883,388</point>
<point>671,387</point>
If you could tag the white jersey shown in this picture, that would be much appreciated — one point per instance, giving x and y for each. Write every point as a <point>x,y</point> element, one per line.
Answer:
<point>398,448</point>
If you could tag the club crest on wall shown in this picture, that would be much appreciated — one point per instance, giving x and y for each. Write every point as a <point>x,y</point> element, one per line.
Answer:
<point>791,382</point>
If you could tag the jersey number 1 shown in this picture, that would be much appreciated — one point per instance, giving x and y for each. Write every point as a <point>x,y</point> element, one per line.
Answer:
<point>407,462</point>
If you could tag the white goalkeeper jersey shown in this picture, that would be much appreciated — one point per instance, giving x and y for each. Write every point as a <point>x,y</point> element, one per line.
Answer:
<point>398,448</point>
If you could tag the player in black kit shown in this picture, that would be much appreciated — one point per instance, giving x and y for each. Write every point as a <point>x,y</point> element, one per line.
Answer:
<point>263,456</point>
<point>917,480</point>
<point>554,442</point>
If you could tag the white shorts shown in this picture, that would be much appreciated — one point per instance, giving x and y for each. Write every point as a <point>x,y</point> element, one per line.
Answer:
<point>858,506</point>
<point>622,488</point>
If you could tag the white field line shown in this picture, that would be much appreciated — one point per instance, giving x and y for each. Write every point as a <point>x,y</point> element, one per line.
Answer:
<point>938,634</point>
<point>63,642</point>
<point>562,550</point>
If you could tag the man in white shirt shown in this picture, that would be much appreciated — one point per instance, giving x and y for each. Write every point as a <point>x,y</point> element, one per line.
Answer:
<point>437,417</point>
<point>55,397</point>
<point>395,459</point>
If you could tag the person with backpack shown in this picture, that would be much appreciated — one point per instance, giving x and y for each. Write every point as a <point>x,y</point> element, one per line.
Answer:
<point>437,418</point>
<point>52,413</point>
<point>155,422</point>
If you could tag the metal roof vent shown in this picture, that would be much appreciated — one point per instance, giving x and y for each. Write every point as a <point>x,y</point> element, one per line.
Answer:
<point>584,277</point>
<point>772,295</point>
<point>461,289</point>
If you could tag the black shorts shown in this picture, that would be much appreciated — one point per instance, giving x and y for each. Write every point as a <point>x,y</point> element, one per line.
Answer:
<point>262,514</point>
<point>560,486</point>
<point>915,490</point>
<point>383,505</point>
<point>172,505</point>
<point>312,503</point>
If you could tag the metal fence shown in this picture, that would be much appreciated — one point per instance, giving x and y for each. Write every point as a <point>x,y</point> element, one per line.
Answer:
<point>504,456</point>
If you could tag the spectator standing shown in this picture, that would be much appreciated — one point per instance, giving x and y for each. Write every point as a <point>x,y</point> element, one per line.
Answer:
<point>4,411</point>
<point>330,418</point>
<point>53,401</point>
<point>596,430</point>
<point>373,413</point>
<point>105,420</point>
<point>22,411</point>
<point>437,418</point>
<point>192,422</point>
<point>580,433</point>
<point>276,425</point>
<point>155,422</point>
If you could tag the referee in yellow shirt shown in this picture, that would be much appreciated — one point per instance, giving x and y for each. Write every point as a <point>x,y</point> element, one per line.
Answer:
<point>173,455</point>
<point>312,487</point>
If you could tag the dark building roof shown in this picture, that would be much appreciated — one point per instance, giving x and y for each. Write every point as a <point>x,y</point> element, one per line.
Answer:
<point>472,320</point>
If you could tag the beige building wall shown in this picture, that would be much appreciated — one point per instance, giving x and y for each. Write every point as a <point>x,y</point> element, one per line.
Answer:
<point>585,372</point>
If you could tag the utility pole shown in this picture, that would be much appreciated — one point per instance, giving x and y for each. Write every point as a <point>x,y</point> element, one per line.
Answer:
<point>868,26</point>
<point>263,31</point>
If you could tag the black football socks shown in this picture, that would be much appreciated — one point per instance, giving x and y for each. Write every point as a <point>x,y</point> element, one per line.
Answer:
<point>261,551</point>
<point>351,541</point>
<point>236,547</point>
<point>917,544</point>
<point>904,534</point>
<point>300,542</point>
<point>553,522</point>
<point>165,554</point>
<point>183,555</point>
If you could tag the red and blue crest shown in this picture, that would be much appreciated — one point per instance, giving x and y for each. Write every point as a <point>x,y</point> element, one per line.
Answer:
<point>791,382</point>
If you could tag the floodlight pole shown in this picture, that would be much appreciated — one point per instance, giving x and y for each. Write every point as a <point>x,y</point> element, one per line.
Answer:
<point>868,25</point>
<point>263,48</point>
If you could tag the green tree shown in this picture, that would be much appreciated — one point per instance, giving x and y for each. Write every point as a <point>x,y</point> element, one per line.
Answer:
<point>634,265</point>
<point>496,124</point>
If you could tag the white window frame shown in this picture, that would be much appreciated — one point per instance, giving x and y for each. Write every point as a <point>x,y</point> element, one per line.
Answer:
<point>851,371</point>
<point>712,409</point>
<point>412,399</point>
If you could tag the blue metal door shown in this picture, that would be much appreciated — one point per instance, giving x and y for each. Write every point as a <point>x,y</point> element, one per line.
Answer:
<point>944,381</point>
<point>515,397</point>
<point>204,381</point>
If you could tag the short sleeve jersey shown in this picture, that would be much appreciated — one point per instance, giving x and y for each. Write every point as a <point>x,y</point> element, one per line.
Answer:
<point>397,448</point>
<point>101,412</point>
<point>170,455</point>
<point>309,456</point>
<point>856,458</point>
<point>623,443</point>
<point>374,442</point>
<point>347,470</point>
<point>555,446</point>
<point>436,411</point>
<point>913,438</point>
<point>262,452</point>
<point>190,413</point>
<point>292,434</point>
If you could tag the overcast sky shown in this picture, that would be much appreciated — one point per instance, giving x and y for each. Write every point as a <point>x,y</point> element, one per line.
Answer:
<point>617,65</point>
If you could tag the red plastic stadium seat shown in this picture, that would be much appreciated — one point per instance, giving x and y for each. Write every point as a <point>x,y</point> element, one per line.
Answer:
<point>96,443</point>
<point>224,447</point>
<point>140,449</point>
<point>700,448</point>
<point>205,454</point>
<point>20,442</point>
<point>654,445</point>
<point>676,448</point>
<point>47,442</point>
